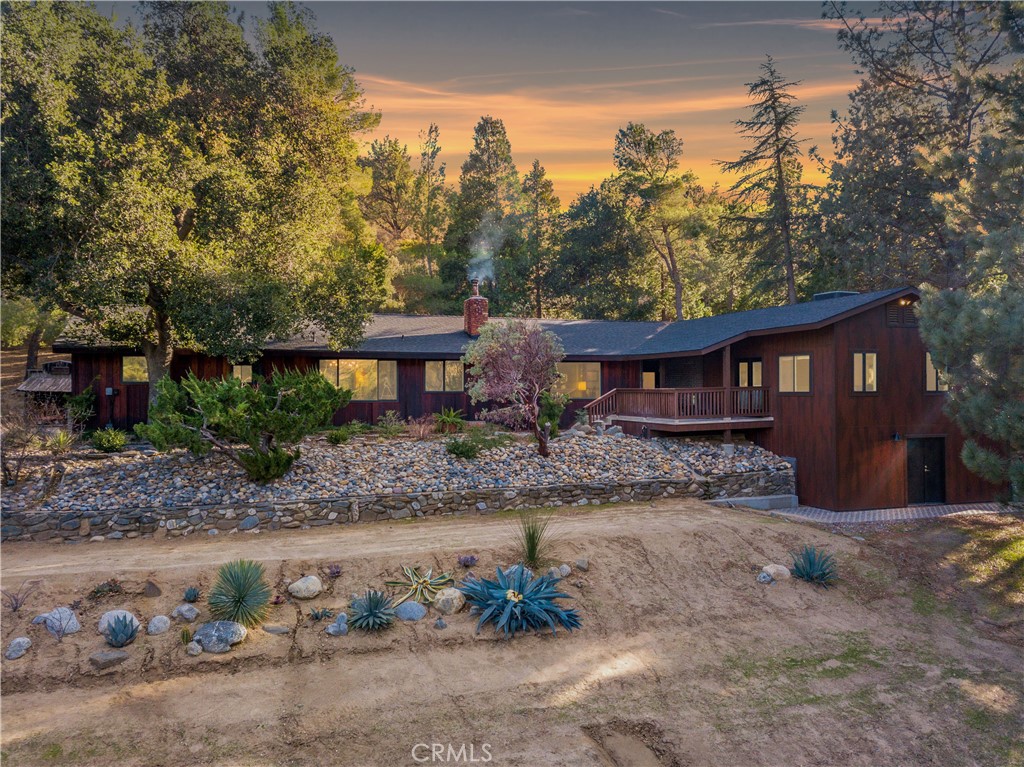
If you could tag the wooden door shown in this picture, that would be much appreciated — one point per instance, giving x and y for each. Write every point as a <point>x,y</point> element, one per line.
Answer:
<point>926,470</point>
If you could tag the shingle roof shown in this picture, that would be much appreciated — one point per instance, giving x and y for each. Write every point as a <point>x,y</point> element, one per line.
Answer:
<point>46,383</point>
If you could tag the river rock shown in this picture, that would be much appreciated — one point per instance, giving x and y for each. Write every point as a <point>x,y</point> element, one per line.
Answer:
<point>218,636</point>
<point>111,615</point>
<point>185,613</point>
<point>18,647</point>
<point>583,564</point>
<point>306,588</point>
<point>564,571</point>
<point>158,624</point>
<point>449,601</point>
<point>777,572</point>
<point>194,648</point>
<point>60,621</point>
<point>410,611</point>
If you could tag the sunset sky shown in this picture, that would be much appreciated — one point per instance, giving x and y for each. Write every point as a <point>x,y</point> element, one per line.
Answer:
<point>565,77</point>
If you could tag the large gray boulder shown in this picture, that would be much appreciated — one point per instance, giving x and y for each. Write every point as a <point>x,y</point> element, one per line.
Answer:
<point>449,601</point>
<point>218,636</point>
<point>306,588</point>
<point>60,621</point>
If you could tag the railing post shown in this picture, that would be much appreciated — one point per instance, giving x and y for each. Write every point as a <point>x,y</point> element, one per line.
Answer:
<point>727,383</point>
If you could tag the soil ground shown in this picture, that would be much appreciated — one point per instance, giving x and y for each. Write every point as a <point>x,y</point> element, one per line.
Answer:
<point>914,658</point>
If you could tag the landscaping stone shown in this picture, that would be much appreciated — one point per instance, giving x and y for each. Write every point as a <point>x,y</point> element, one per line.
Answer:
<point>564,571</point>
<point>777,572</point>
<point>60,620</point>
<point>108,658</point>
<point>18,647</point>
<point>340,626</point>
<point>194,648</point>
<point>449,601</point>
<point>158,624</point>
<point>763,577</point>
<point>583,564</point>
<point>218,636</point>
<point>306,588</point>
<point>440,624</point>
<point>279,630</point>
<point>152,590</point>
<point>410,611</point>
<point>111,615</point>
<point>185,612</point>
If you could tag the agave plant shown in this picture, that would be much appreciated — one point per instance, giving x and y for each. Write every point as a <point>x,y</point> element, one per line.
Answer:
<point>518,602</point>
<point>814,566</point>
<point>191,594</point>
<point>321,613</point>
<point>372,612</point>
<point>420,588</point>
<point>240,593</point>
<point>121,631</point>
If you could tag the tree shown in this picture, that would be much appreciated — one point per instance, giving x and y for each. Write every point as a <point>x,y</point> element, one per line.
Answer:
<point>771,170</point>
<point>391,202</point>
<point>511,364</point>
<point>252,425</point>
<point>540,215</point>
<point>431,196</point>
<point>24,321</point>
<point>189,187</point>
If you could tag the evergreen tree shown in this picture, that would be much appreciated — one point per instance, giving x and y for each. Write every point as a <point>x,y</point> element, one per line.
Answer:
<point>391,201</point>
<point>431,196</point>
<point>539,224</point>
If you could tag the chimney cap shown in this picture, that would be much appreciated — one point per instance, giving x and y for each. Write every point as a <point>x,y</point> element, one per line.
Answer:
<point>475,283</point>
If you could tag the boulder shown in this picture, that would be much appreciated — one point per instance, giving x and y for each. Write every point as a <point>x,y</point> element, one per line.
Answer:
<point>185,612</point>
<point>449,601</point>
<point>60,621</point>
<point>777,572</point>
<point>410,611</point>
<point>18,647</point>
<point>583,564</point>
<point>152,590</point>
<point>111,615</point>
<point>158,624</point>
<point>218,636</point>
<point>306,588</point>
<point>194,648</point>
<point>107,658</point>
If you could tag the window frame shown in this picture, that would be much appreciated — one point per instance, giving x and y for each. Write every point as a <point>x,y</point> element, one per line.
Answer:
<point>863,392</point>
<point>810,374</point>
<point>445,364</point>
<point>573,394</point>
<point>377,362</point>
<point>242,379</point>
<point>929,363</point>
<point>748,363</point>
<point>145,367</point>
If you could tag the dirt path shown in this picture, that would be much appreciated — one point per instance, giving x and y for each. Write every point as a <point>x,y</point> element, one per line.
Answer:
<point>683,658</point>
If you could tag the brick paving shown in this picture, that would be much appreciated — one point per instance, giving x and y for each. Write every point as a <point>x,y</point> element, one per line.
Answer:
<point>906,513</point>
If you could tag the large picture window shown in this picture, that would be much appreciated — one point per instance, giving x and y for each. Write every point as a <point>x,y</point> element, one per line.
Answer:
<point>795,374</point>
<point>368,380</point>
<point>934,380</point>
<point>444,375</point>
<point>134,370</point>
<point>580,380</point>
<point>865,372</point>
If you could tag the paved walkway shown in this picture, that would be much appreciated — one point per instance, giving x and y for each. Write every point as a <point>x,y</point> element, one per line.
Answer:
<point>891,515</point>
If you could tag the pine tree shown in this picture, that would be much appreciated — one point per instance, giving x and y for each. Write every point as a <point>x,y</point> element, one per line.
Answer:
<point>431,196</point>
<point>391,201</point>
<point>539,218</point>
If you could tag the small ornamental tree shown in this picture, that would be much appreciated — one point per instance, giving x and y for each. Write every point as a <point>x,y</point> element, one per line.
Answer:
<point>250,424</point>
<point>510,364</point>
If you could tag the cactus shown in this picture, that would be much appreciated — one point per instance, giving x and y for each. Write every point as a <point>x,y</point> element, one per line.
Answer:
<point>191,594</point>
<point>372,612</point>
<point>186,636</point>
<point>122,631</point>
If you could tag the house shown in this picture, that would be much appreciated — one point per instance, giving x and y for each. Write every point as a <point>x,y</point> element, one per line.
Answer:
<point>842,385</point>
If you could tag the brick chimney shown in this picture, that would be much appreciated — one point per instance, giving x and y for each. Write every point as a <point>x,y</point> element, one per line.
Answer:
<point>474,310</point>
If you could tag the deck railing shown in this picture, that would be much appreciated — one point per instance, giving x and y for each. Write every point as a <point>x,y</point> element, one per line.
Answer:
<point>682,404</point>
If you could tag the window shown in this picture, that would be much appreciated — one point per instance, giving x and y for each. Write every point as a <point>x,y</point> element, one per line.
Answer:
<point>242,372</point>
<point>865,372</point>
<point>649,379</point>
<point>749,373</point>
<point>580,380</point>
<point>134,370</point>
<point>444,375</point>
<point>795,374</point>
<point>367,379</point>
<point>934,379</point>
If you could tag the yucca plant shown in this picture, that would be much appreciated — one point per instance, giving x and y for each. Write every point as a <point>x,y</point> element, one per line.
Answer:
<point>533,539</point>
<point>372,612</point>
<point>191,594</point>
<point>61,442</point>
<point>321,613</point>
<point>240,593</point>
<point>815,566</point>
<point>421,588</point>
<point>121,631</point>
<point>516,602</point>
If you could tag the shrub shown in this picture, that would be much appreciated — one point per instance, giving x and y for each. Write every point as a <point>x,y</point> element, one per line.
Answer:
<point>372,612</point>
<point>240,593</point>
<point>80,407</point>
<point>16,599</point>
<point>105,589</point>
<point>814,566</point>
<point>333,571</point>
<point>62,442</point>
<point>449,420</point>
<point>533,539</point>
<point>473,442</point>
<point>390,424</point>
<point>268,466</point>
<point>422,427</point>
<point>109,440</point>
<point>122,631</point>
<point>346,431</point>
<point>191,594</point>
<point>467,560</point>
<point>516,602</point>
<point>550,409</point>
<point>582,417</point>
<point>421,588</point>
<point>320,613</point>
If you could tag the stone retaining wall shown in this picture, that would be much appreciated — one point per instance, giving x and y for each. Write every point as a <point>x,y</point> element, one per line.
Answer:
<point>178,521</point>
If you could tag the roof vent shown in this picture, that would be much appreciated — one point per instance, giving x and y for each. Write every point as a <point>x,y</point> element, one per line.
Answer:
<point>834,294</point>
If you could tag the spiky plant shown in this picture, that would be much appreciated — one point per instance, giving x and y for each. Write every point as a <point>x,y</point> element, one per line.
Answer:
<point>321,613</point>
<point>240,593</point>
<point>334,571</point>
<point>533,539</point>
<point>186,636</point>
<point>815,566</point>
<point>121,631</point>
<point>516,602</point>
<point>191,594</point>
<point>372,612</point>
<point>420,588</point>
<point>467,560</point>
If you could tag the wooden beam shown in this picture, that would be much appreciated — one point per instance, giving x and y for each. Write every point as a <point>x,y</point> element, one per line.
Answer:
<point>727,384</point>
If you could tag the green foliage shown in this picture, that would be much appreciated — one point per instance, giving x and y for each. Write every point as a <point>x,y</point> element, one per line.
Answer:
<point>267,466</point>
<point>186,636</point>
<point>317,614</point>
<point>533,539</point>
<point>582,417</point>
<point>420,588</point>
<point>814,566</point>
<point>121,631</point>
<point>240,593</point>
<point>372,612</point>
<point>473,442</point>
<point>191,594</point>
<point>62,442</point>
<point>22,318</point>
<point>346,431</point>
<point>449,420</point>
<point>518,603</point>
<point>82,406</point>
<point>109,440</point>
<point>105,589</point>
<point>390,424</point>
<point>551,408</point>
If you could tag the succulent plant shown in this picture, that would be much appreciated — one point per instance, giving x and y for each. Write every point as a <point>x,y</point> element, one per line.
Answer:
<point>372,612</point>
<point>191,594</point>
<point>321,613</point>
<point>121,631</point>
<point>333,571</point>
<point>240,593</point>
<point>518,602</point>
<point>814,566</point>
<point>467,560</point>
<point>421,588</point>
<point>105,589</point>
<point>186,636</point>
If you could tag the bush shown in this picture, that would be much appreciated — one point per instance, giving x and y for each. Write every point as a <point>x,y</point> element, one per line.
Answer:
<point>516,602</point>
<point>475,441</point>
<point>390,425</point>
<point>449,420</point>
<point>551,406</point>
<point>109,440</point>
<point>80,407</point>
<point>240,593</point>
<point>61,443</point>
<point>372,612</point>
<point>814,566</point>
<point>582,417</point>
<point>345,432</point>
<point>533,539</point>
<point>264,467</point>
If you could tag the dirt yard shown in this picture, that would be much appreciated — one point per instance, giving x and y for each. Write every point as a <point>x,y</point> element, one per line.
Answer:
<point>683,658</point>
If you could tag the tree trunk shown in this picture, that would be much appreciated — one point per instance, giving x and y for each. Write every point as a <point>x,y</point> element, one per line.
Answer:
<point>35,338</point>
<point>673,273</point>
<point>159,353</point>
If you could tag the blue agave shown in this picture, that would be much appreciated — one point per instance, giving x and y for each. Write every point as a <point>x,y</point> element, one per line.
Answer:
<point>121,631</point>
<point>518,602</point>
<point>814,566</point>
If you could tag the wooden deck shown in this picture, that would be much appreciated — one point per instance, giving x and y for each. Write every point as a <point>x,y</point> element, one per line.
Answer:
<point>687,410</point>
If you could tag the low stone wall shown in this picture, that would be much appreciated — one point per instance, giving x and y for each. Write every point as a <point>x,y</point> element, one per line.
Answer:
<point>178,521</point>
